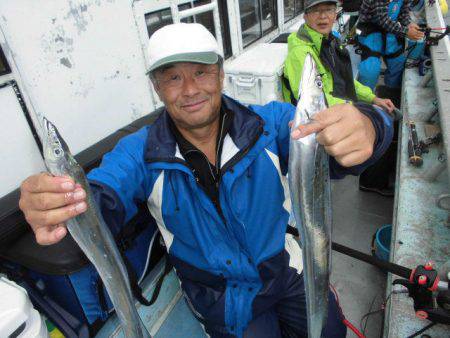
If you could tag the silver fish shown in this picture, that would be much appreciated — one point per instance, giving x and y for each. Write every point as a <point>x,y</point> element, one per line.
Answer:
<point>309,185</point>
<point>93,235</point>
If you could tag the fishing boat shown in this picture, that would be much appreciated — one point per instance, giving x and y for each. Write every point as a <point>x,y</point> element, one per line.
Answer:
<point>83,63</point>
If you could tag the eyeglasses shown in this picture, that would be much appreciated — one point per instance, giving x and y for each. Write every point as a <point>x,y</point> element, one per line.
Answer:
<point>173,79</point>
<point>319,12</point>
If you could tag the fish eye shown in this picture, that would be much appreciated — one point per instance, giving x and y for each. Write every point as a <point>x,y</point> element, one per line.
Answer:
<point>319,83</point>
<point>57,152</point>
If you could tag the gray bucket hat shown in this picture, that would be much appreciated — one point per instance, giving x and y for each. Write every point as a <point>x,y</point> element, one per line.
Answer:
<point>312,3</point>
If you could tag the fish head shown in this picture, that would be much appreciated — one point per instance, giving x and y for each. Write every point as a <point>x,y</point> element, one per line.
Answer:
<point>55,150</point>
<point>311,98</point>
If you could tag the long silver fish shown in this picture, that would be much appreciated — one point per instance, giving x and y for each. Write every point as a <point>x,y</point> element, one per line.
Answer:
<point>93,235</point>
<point>309,185</point>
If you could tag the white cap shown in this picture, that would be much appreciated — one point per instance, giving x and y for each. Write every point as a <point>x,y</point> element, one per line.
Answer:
<point>182,42</point>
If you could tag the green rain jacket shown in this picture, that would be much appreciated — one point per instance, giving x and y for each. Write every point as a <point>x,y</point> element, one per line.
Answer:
<point>307,40</point>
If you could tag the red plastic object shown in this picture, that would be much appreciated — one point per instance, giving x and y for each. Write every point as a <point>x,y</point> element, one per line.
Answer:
<point>421,314</point>
<point>422,280</point>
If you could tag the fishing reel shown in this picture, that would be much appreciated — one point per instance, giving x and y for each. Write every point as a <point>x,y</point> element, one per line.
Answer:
<point>433,35</point>
<point>431,296</point>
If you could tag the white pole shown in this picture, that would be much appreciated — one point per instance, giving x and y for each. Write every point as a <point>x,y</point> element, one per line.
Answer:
<point>178,15</point>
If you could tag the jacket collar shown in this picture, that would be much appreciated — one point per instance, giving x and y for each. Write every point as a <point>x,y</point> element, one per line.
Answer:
<point>161,145</point>
<point>310,36</point>
<point>225,120</point>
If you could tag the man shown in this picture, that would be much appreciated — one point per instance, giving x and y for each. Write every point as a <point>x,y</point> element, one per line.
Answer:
<point>384,24</point>
<point>315,37</point>
<point>210,170</point>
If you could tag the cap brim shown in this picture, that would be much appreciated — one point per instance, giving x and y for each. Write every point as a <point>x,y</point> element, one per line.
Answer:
<point>208,58</point>
<point>321,2</point>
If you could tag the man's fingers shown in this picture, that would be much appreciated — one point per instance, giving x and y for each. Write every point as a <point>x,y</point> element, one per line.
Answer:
<point>46,183</point>
<point>322,120</point>
<point>49,200</point>
<point>307,129</point>
<point>418,34</point>
<point>345,146</point>
<point>391,107</point>
<point>387,102</point>
<point>56,216</point>
<point>335,133</point>
<point>50,235</point>
<point>387,107</point>
<point>353,158</point>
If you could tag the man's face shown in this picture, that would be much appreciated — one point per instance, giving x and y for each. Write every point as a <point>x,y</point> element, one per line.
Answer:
<point>191,93</point>
<point>321,17</point>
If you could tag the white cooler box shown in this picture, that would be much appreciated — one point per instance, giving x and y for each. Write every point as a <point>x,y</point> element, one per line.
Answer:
<point>18,318</point>
<point>254,77</point>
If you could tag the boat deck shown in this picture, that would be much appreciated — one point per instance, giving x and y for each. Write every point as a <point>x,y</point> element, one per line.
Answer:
<point>356,217</point>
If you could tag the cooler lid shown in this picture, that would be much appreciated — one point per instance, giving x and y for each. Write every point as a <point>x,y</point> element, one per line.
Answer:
<point>263,60</point>
<point>14,307</point>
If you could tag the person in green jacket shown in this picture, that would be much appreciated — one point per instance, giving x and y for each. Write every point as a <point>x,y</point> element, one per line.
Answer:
<point>333,60</point>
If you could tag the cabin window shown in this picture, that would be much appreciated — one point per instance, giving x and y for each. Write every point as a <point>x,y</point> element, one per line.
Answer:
<point>292,8</point>
<point>156,20</point>
<point>207,20</point>
<point>161,18</point>
<point>4,67</point>
<point>258,17</point>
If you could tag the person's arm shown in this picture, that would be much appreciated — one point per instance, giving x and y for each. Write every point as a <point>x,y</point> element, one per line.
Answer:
<point>382,18</point>
<point>405,13</point>
<point>49,201</point>
<point>363,93</point>
<point>366,95</point>
<point>121,181</point>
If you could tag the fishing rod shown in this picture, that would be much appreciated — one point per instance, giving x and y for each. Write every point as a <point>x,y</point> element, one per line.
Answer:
<point>435,283</point>
<point>429,293</point>
<point>433,40</point>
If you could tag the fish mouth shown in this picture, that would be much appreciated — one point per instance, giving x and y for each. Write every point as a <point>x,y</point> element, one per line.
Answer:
<point>46,125</point>
<point>50,133</point>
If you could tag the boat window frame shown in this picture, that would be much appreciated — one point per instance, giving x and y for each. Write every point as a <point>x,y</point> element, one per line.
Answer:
<point>4,63</point>
<point>146,15</point>
<point>223,15</point>
<point>261,30</point>
<point>225,24</point>
<point>296,13</point>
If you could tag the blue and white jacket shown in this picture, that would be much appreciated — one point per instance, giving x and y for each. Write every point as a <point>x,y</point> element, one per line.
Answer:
<point>231,268</point>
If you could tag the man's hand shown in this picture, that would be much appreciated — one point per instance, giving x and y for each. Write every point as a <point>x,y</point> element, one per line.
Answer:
<point>414,32</point>
<point>347,134</point>
<point>47,202</point>
<point>386,104</point>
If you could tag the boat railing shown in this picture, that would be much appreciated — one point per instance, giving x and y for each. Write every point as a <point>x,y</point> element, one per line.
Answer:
<point>440,56</point>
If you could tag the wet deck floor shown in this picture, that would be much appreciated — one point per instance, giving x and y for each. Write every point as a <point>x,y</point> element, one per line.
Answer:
<point>356,217</point>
